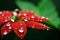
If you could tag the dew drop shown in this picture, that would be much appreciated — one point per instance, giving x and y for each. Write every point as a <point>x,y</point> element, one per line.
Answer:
<point>21,30</point>
<point>5,33</point>
<point>32,16</point>
<point>8,25</point>
<point>24,14</point>
<point>25,20</point>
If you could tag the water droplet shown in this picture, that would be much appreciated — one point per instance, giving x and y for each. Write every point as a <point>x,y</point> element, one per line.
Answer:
<point>42,17</point>
<point>0,12</point>
<point>47,29</point>
<point>40,20</point>
<point>14,13</point>
<point>12,20</point>
<point>21,24</point>
<point>7,11</point>
<point>16,9</point>
<point>21,30</point>
<point>47,18</point>
<point>6,20</point>
<point>21,35</point>
<point>9,27</point>
<point>33,26</point>
<point>24,14</point>
<point>28,18</point>
<point>25,20</point>
<point>5,33</point>
<point>44,25</point>
<point>32,16</point>
<point>8,24</point>
<point>8,17</point>
<point>19,14</point>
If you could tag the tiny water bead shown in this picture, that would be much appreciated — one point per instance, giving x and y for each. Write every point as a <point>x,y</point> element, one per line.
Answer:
<point>25,20</point>
<point>12,20</point>
<point>5,33</point>
<point>19,21</point>
<point>8,25</point>
<point>32,16</point>
<point>6,20</point>
<point>0,12</point>
<point>21,30</point>
<point>24,14</point>
<point>14,13</point>
<point>33,26</point>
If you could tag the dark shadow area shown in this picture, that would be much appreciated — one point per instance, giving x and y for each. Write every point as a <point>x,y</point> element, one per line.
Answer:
<point>7,5</point>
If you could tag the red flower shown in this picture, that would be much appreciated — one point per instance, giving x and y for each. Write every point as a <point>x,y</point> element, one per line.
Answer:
<point>26,19</point>
<point>5,16</point>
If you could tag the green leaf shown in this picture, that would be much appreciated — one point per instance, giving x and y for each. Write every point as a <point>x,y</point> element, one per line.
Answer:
<point>13,18</point>
<point>26,6</point>
<point>47,9</point>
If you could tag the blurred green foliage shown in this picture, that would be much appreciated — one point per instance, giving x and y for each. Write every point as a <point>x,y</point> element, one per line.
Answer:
<point>44,8</point>
<point>27,6</point>
<point>47,9</point>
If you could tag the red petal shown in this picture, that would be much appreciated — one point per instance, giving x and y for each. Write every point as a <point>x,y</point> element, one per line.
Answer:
<point>1,20</point>
<point>24,13</point>
<point>43,19</point>
<point>5,16</point>
<point>31,16</point>
<point>36,25</point>
<point>34,18</point>
<point>6,29</point>
<point>7,13</point>
<point>20,29</point>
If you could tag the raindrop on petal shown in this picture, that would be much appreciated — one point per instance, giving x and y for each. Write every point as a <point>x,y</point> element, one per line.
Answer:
<point>24,14</point>
<point>25,20</point>
<point>8,25</point>
<point>5,33</point>
<point>32,16</point>
<point>21,30</point>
